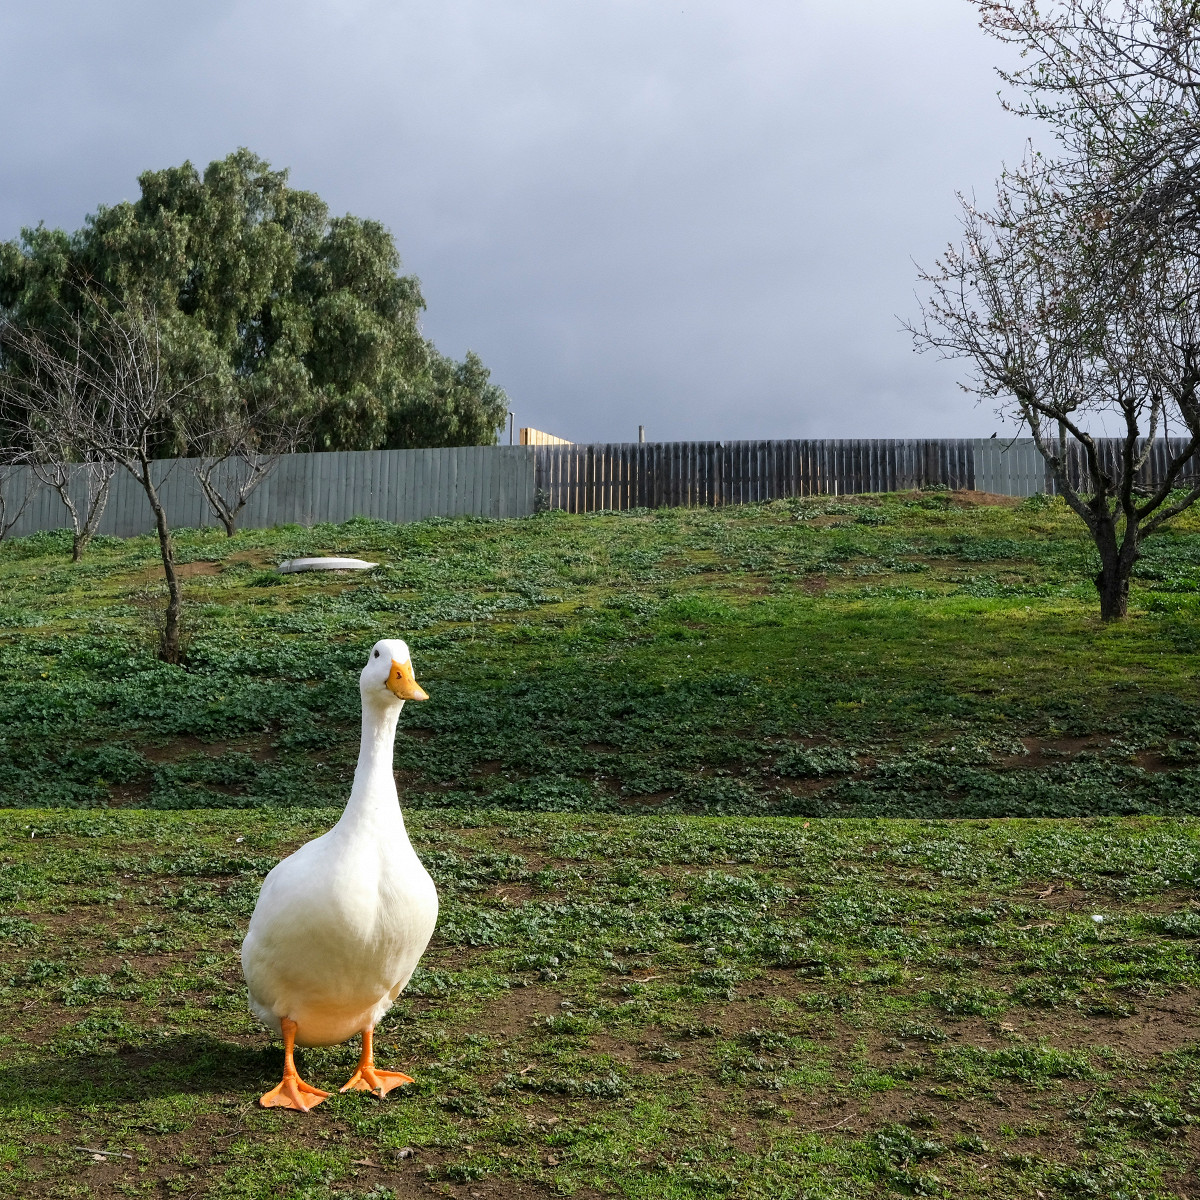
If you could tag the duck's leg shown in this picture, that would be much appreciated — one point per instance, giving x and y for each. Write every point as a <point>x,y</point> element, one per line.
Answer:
<point>293,1092</point>
<point>367,1078</point>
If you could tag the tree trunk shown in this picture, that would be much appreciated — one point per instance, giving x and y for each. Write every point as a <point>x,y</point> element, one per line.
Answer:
<point>1116,570</point>
<point>1114,593</point>
<point>226,515</point>
<point>77,544</point>
<point>170,648</point>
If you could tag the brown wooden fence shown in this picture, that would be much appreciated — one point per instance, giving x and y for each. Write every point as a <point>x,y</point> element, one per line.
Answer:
<point>1111,450</point>
<point>590,478</point>
<point>587,478</point>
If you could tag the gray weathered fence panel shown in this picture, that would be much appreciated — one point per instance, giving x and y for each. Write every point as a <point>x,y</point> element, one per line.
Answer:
<point>1009,468</point>
<point>305,489</point>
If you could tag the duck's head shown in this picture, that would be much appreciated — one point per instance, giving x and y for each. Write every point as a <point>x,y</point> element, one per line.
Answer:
<point>388,676</point>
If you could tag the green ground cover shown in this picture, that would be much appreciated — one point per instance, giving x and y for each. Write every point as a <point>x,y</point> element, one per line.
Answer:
<point>657,973</point>
<point>904,657</point>
<point>671,1007</point>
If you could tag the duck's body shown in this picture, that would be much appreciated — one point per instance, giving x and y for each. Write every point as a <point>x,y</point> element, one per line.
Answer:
<point>340,926</point>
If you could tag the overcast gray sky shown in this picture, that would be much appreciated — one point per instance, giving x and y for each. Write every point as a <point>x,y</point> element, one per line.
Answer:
<point>699,216</point>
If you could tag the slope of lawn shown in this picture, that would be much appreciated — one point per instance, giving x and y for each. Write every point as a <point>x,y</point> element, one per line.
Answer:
<point>903,657</point>
<point>662,969</point>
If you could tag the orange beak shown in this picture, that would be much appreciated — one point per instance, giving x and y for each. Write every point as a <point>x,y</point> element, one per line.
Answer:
<point>403,683</point>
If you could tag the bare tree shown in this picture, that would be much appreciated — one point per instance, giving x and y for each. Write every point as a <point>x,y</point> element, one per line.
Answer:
<point>54,398</point>
<point>1070,357</point>
<point>1074,297</point>
<point>82,485</point>
<point>132,405</point>
<point>239,450</point>
<point>139,399</point>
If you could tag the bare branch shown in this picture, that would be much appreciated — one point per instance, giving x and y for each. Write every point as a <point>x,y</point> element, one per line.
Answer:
<point>55,396</point>
<point>239,451</point>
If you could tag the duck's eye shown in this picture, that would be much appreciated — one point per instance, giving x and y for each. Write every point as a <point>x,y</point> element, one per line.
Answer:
<point>376,653</point>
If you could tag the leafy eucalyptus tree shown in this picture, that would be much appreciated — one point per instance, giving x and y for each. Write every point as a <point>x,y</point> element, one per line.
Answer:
<point>269,299</point>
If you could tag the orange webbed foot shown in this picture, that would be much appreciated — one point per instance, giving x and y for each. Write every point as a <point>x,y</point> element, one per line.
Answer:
<point>293,1092</point>
<point>368,1079</point>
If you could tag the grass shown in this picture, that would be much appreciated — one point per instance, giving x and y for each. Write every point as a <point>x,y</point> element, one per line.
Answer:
<point>905,657</point>
<point>614,1005</point>
<point>657,973</point>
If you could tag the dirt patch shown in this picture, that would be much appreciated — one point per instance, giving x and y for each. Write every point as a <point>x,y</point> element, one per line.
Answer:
<point>1154,762</point>
<point>1154,1027</point>
<point>129,795</point>
<point>516,1010</point>
<point>511,893</point>
<point>827,520</point>
<point>964,497</point>
<point>185,570</point>
<point>1045,751</point>
<point>972,499</point>
<point>416,731</point>
<point>180,747</point>
<point>1060,898</point>
<point>1050,752</point>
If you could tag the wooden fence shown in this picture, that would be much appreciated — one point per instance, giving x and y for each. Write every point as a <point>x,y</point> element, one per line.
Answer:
<point>584,478</point>
<point>515,481</point>
<point>588,478</point>
<point>1111,451</point>
<point>649,475</point>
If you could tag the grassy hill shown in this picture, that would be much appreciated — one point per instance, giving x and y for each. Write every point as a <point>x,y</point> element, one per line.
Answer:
<point>657,973</point>
<point>905,656</point>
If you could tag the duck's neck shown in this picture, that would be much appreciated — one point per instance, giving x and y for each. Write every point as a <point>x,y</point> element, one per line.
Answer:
<point>373,796</point>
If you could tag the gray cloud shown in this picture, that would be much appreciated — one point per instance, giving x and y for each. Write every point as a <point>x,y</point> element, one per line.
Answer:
<point>697,216</point>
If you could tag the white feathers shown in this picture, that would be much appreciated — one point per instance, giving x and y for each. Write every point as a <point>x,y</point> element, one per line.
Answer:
<point>340,926</point>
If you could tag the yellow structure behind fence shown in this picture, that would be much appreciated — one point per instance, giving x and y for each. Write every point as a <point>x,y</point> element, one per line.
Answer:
<point>535,437</point>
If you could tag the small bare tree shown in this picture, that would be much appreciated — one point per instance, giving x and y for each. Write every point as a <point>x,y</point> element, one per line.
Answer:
<point>1066,354</point>
<point>54,397</point>
<point>238,451</point>
<point>82,483</point>
<point>132,404</point>
<point>139,399</point>
<point>1075,297</point>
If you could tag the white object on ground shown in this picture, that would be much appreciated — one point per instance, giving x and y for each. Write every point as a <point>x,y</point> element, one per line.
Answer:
<point>325,564</point>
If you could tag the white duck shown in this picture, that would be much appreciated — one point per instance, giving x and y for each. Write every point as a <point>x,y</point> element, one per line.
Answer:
<point>340,925</point>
